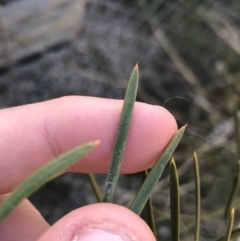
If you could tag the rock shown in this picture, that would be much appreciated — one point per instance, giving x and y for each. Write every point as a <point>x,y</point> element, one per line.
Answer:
<point>30,27</point>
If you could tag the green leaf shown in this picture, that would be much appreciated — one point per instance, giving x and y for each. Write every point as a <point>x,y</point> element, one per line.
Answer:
<point>155,173</point>
<point>229,225</point>
<point>174,202</point>
<point>197,197</point>
<point>43,175</point>
<point>147,213</point>
<point>95,187</point>
<point>121,136</point>
<point>233,191</point>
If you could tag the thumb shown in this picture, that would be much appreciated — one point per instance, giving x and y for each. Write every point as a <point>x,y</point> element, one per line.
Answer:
<point>108,222</point>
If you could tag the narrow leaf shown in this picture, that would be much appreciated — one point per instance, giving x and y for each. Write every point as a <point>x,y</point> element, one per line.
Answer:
<point>43,175</point>
<point>229,225</point>
<point>121,136</point>
<point>233,191</point>
<point>174,202</point>
<point>197,198</point>
<point>147,213</point>
<point>155,173</point>
<point>95,187</point>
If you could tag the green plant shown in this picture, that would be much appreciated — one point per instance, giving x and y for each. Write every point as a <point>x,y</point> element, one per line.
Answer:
<point>142,203</point>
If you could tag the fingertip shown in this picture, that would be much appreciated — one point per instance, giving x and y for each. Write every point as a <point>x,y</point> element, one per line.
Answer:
<point>37,133</point>
<point>24,223</point>
<point>106,221</point>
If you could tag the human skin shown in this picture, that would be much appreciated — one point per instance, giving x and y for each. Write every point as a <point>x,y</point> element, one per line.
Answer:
<point>32,135</point>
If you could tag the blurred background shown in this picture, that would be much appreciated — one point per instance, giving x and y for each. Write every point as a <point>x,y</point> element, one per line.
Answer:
<point>189,49</point>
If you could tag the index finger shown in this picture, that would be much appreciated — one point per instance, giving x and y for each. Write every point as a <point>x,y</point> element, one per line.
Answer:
<point>32,135</point>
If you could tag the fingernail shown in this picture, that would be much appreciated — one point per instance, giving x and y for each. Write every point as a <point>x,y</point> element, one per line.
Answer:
<point>100,235</point>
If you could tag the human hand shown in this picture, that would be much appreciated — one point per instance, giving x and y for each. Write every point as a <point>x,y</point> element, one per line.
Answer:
<point>31,135</point>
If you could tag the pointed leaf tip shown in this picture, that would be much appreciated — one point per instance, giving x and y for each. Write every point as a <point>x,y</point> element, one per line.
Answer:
<point>43,175</point>
<point>96,143</point>
<point>182,129</point>
<point>136,69</point>
<point>121,136</point>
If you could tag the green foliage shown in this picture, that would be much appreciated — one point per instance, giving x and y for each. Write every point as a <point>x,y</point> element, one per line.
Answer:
<point>229,225</point>
<point>175,202</point>
<point>43,175</point>
<point>147,212</point>
<point>142,203</point>
<point>197,197</point>
<point>95,187</point>
<point>121,136</point>
<point>155,173</point>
